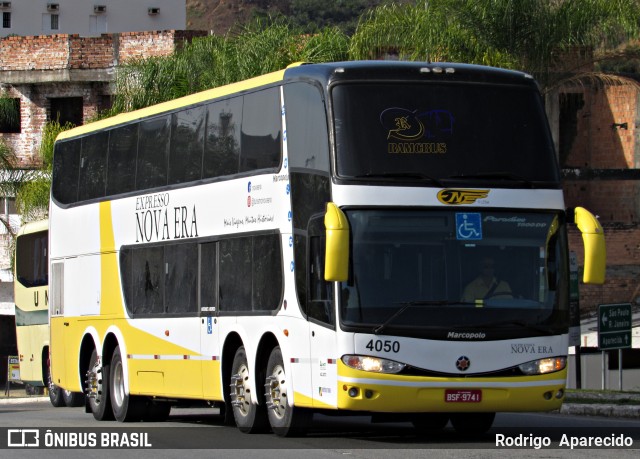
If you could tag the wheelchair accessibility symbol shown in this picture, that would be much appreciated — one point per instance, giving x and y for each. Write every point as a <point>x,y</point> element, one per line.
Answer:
<point>468,226</point>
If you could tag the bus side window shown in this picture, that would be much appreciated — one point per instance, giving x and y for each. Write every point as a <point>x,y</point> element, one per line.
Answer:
<point>222,141</point>
<point>187,144</point>
<point>66,169</point>
<point>153,148</point>
<point>121,163</point>
<point>261,130</point>
<point>93,166</point>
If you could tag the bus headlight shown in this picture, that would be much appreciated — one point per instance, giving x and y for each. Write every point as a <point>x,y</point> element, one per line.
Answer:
<point>374,364</point>
<point>542,366</point>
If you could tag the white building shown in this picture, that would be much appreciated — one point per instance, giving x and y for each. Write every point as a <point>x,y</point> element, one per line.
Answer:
<point>90,17</point>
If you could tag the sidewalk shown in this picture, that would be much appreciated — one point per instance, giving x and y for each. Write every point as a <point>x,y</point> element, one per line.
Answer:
<point>18,395</point>
<point>602,403</point>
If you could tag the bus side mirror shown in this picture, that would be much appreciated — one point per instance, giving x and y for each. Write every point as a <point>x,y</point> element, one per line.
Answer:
<point>595,253</point>
<point>336,266</point>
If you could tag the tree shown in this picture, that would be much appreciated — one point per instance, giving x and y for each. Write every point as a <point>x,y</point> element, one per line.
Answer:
<point>535,36</point>
<point>12,179</point>
<point>32,197</point>
<point>266,45</point>
<point>531,35</point>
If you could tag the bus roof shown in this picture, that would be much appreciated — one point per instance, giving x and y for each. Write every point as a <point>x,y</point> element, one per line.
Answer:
<point>332,72</point>
<point>325,74</point>
<point>191,99</point>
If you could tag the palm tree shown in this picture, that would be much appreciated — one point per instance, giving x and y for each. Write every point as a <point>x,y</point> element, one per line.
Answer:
<point>12,179</point>
<point>32,197</point>
<point>531,35</point>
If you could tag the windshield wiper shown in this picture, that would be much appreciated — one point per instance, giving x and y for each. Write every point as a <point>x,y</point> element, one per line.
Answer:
<point>395,175</point>
<point>498,175</point>
<point>408,304</point>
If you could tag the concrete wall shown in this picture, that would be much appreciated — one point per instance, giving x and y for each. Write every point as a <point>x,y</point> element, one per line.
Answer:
<point>591,369</point>
<point>78,17</point>
<point>601,162</point>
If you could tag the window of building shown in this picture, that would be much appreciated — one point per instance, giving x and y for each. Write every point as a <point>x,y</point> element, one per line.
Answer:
<point>66,110</point>
<point>6,20</point>
<point>54,21</point>
<point>9,115</point>
<point>8,206</point>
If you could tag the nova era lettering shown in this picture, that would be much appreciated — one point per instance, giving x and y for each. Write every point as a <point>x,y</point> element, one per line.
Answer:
<point>528,348</point>
<point>153,225</point>
<point>180,223</point>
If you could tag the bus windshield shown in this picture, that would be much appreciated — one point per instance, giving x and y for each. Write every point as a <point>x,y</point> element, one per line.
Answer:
<point>31,259</point>
<point>429,272</point>
<point>443,132</point>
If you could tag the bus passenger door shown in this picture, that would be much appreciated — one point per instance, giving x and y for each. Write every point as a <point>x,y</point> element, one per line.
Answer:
<point>321,314</point>
<point>324,367</point>
<point>209,328</point>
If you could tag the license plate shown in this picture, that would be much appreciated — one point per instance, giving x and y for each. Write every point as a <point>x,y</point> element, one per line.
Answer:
<point>463,396</point>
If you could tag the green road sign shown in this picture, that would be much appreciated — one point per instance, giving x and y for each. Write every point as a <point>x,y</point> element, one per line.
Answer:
<point>614,326</point>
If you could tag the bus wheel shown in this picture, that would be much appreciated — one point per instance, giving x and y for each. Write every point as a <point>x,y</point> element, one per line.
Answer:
<point>98,389</point>
<point>472,424</point>
<point>430,422</point>
<point>249,416</point>
<point>125,407</point>
<point>285,419</point>
<point>55,393</point>
<point>72,398</point>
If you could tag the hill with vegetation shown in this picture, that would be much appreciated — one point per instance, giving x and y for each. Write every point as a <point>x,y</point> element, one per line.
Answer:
<point>223,16</point>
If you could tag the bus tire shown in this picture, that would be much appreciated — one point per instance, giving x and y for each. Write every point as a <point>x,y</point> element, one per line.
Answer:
<point>285,419</point>
<point>55,392</point>
<point>250,417</point>
<point>472,424</point>
<point>72,399</point>
<point>126,408</point>
<point>101,405</point>
<point>55,396</point>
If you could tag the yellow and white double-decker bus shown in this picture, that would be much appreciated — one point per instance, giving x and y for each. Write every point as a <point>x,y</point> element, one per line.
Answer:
<point>31,295</point>
<point>356,237</point>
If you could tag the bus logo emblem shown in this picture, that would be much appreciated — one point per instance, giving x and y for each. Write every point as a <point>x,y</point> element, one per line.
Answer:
<point>463,363</point>
<point>456,197</point>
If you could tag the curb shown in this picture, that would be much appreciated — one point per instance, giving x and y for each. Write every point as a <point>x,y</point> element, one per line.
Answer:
<point>601,409</point>
<point>18,401</point>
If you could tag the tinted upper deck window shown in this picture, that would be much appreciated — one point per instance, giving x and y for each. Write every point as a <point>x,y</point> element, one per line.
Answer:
<point>441,131</point>
<point>153,148</point>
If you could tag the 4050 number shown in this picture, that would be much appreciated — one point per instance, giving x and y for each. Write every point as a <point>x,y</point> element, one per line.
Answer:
<point>379,345</point>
